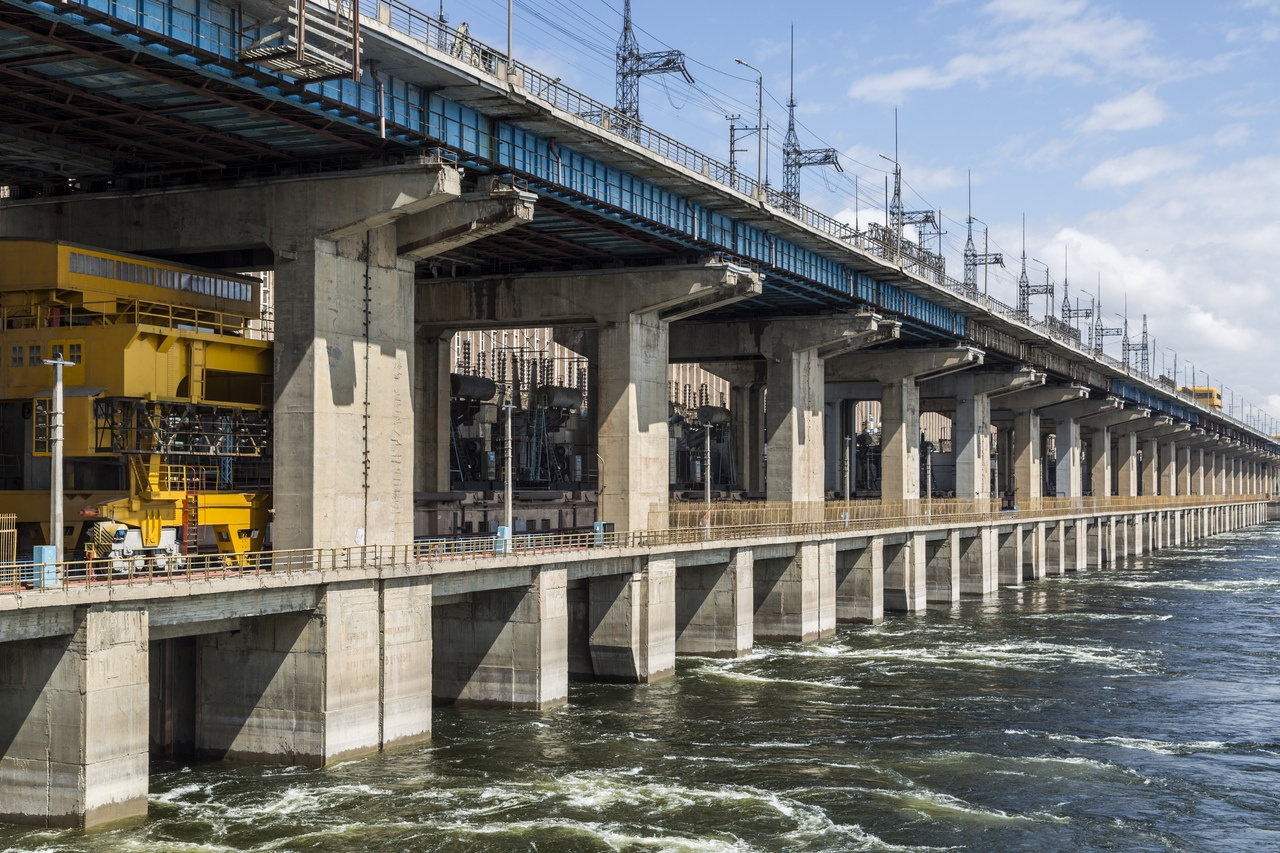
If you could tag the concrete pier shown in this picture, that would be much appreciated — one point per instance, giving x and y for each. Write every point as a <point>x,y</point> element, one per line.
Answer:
<point>324,663</point>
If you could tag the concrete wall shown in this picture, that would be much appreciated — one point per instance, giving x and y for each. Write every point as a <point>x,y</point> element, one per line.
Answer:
<point>73,723</point>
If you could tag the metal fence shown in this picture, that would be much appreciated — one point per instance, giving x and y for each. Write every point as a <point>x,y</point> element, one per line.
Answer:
<point>671,526</point>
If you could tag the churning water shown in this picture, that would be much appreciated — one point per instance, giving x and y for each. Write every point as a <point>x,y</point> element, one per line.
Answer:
<point>1136,709</point>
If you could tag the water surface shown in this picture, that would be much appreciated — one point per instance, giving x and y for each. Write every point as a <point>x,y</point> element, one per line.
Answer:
<point>1135,709</point>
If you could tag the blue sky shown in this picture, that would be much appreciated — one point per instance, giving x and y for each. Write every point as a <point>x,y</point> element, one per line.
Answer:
<point>1140,139</point>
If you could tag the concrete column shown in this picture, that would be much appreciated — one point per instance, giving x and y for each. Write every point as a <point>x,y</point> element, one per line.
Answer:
<point>1034,563</point>
<point>632,419</point>
<point>505,648</point>
<point>904,573</point>
<point>794,354</point>
<point>1169,468</point>
<point>978,562</point>
<point>746,406</point>
<point>1055,549</point>
<point>1100,475</point>
<point>73,723</point>
<point>431,391</point>
<point>1009,556</point>
<point>1027,445</point>
<point>942,568</point>
<point>900,441</point>
<point>632,624</point>
<point>1107,425</point>
<point>1067,475</point>
<point>795,594</point>
<point>860,581</point>
<point>317,687</point>
<point>715,605</point>
<point>793,425</point>
<point>1184,453</point>
<point>1127,463</point>
<point>1027,471</point>
<point>343,454</point>
<point>899,373</point>
<point>1150,467</point>
<point>971,392</point>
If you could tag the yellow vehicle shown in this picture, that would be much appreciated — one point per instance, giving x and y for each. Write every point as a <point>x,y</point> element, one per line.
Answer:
<point>166,412</point>
<point>1206,394</point>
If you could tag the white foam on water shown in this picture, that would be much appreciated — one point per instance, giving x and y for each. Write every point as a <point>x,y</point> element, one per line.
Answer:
<point>1161,747</point>
<point>1029,655</point>
<point>750,678</point>
<point>1231,586</point>
<point>180,793</point>
<point>1048,760</point>
<point>611,835</point>
<point>1101,617</point>
<point>297,801</point>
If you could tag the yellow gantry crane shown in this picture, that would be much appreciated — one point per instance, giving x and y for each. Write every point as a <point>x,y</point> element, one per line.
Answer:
<point>166,413</point>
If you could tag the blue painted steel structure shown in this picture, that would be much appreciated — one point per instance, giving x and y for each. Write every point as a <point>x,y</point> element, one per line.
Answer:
<point>418,118</point>
<point>175,62</point>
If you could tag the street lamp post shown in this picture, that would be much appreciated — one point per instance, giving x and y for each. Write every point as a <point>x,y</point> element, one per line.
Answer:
<point>55,454</point>
<point>759,121</point>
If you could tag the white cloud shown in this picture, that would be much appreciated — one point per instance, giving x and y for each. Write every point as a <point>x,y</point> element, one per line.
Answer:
<point>1140,166</point>
<point>1034,39</point>
<point>1198,256</point>
<point>1139,110</point>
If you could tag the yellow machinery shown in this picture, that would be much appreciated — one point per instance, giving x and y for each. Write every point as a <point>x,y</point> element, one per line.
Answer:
<point>167,421</point>
<point>1206,394</point>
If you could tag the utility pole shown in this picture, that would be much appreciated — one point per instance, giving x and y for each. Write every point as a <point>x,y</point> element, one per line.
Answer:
<point>55,453</point>
<point>759,128</point>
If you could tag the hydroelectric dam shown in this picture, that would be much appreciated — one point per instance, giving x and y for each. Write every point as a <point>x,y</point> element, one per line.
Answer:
<point>280,530</point>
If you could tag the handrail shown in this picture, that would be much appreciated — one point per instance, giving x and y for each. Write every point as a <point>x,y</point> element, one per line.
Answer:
<point>685,524</point>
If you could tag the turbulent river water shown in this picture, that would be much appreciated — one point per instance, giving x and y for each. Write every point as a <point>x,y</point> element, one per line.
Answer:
<point>1130,709</point>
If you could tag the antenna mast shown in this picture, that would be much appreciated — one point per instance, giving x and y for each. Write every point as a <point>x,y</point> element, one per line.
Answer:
<point>632,65</point>
<point>795,158</point>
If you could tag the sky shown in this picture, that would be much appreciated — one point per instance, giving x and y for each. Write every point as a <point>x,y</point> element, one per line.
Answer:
<point>1140,140</point>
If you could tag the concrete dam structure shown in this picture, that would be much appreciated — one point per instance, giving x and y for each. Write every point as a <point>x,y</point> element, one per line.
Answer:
<point>403,184</point>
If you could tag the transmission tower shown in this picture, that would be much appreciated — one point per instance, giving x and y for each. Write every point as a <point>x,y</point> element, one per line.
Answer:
<point>1142,349</point>
<point>1069,314</point>
<point>1026,289</point>
<point>928,222</point>
<point>972,260</point>
<point>795,158</point>
<point>632,65</point>
<point>1099,332</point>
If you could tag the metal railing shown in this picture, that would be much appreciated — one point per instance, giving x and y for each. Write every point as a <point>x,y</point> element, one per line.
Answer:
<point>686,524</point>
